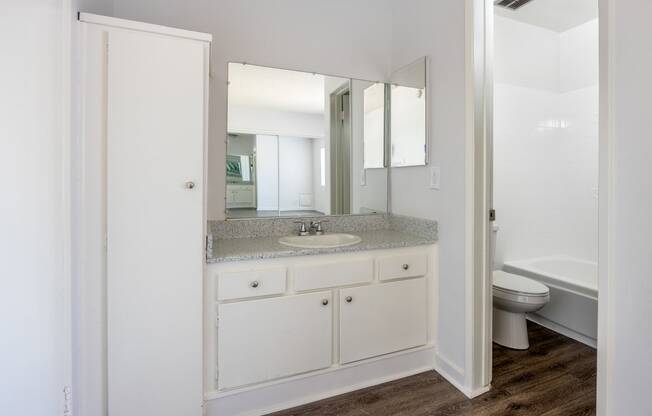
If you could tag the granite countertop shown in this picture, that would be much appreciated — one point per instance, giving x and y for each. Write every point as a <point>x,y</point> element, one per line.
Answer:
<point>240,249</point>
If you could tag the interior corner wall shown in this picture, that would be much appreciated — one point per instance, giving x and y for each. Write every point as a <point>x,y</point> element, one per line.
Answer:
<point>437,29</point>
<point>334,37</point>
<point>625,338</point>
<point>88,360</point>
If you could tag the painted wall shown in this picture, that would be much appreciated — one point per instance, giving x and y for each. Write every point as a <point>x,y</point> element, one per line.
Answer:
<point>437,29</point>
<point>546,141</point>
<point>627,314</point>
<point>267,172</point>
<point>267,121</point>
<point>87,325</point>
<point>244,31</point>
<point>33,265</point>
<point>295,173</point>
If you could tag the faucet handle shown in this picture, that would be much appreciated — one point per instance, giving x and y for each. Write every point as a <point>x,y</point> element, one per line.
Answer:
<point>302,229</point>
<point>316,226</point>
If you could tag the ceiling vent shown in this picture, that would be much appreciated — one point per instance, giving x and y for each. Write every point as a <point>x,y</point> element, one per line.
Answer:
<point>511,4</point>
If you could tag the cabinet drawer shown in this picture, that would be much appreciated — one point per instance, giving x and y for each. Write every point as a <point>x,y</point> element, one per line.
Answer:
<point>251,283</point>
<point>402,265</point>
<point>331,274</point>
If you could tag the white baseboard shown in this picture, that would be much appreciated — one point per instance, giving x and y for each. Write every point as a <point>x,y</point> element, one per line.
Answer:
<point>455,375</point>
<point>297,391</point>
<point>591,342</point>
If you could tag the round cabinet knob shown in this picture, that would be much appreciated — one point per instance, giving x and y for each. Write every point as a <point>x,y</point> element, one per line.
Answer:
<point>324,302</point>
<point>406,266</point>
<point>190,185</point>
<point>348,299</point>
<point>254,284</point>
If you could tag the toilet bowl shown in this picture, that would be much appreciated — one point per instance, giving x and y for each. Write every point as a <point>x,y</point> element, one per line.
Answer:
<point>513,297</point>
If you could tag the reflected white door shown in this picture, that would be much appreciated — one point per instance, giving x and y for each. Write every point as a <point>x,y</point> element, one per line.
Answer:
<point>155,226</point>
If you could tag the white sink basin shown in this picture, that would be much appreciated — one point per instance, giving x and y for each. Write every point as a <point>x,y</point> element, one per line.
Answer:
<point>320,241</point>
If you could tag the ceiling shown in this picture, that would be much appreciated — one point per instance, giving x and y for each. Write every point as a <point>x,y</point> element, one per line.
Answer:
<point>557,15</point>
<point>276,89</point>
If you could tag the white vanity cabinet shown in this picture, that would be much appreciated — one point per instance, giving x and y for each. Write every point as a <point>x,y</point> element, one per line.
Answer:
<point>284,329</point>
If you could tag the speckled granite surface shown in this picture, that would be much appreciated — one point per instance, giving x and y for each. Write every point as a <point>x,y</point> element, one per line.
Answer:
<point>258,238</point>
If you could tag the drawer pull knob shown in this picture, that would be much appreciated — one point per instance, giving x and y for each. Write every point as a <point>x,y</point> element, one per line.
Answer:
<point>349,299</point>
<point>406,266</point>
<point>324,302</point>
<point>255,284</point>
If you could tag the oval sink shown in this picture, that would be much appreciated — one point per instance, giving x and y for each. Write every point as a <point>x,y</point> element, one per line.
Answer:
<point>320,241</point>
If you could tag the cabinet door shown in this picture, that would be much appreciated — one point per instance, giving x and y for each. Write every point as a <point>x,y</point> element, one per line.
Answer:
<point>383,318</point>
<point>266,339</point>
<point>155,140</point>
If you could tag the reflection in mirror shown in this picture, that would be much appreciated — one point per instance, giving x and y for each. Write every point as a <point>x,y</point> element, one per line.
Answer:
<point>295,145</point>
<point>374,126</point>
<point>408,115</point>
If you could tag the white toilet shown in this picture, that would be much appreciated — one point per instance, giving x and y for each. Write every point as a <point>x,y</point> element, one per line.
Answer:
<point>514,296</point>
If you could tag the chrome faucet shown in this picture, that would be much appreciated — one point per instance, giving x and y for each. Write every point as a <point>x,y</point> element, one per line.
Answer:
<point>316,228</point>
<point>302,228</point>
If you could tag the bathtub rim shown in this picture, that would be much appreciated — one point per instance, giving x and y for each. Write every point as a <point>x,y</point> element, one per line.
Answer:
<point>525,268</point>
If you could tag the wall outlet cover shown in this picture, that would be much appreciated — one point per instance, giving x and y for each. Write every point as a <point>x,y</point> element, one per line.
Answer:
<point>435,177</point>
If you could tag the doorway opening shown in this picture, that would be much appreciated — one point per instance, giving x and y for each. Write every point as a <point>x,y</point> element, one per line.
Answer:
<point>542,188</point>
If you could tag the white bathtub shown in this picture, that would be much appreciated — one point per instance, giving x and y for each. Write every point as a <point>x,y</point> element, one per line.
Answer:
<point>573,283</point>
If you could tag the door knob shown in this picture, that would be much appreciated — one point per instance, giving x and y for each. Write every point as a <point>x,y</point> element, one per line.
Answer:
<point>324,302</point>
<point>254,284</point>
<point>349,299</point>
<point>406,266</point>
<point>190,185</point>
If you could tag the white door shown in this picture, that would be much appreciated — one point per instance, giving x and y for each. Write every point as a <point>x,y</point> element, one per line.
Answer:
<point>266,339</point>
<point>379,319</point>
<point>155,225</point>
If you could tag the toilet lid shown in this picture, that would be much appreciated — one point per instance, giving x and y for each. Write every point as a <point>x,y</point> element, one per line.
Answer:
<point>518,284</point>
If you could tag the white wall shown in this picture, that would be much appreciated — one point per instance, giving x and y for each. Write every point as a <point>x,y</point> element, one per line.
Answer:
<point>33,253</point>
<point>545,141</point>
<point>267,121</point>
<point>626,315</point>
<point>295,172</point>
<point>267,172</point>
<point>293,34</point>
<point>89,396</point>
<point>437,29</point>
<point>321,197</point>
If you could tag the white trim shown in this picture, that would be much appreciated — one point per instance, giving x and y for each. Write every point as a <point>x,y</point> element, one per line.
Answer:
<point>605,207</point>
<point>308,388</point>
<point>66,194</point>
<point>560,329</point>
<point>479,83</point>
<point>143,27</point>
<point>453,374</point>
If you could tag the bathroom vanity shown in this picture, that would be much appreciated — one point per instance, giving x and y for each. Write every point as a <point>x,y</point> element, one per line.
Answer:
<point>306,323</point>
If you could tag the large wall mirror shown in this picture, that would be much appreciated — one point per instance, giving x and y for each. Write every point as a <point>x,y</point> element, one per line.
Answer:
<point>303,144</point>
<point>308,144</point>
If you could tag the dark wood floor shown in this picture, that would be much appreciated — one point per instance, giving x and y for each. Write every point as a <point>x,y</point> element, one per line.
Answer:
<point>556,376</point>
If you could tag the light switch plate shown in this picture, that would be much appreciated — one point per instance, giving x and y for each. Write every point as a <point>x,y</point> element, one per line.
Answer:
<point>435,177</point>
<point>363,177</point>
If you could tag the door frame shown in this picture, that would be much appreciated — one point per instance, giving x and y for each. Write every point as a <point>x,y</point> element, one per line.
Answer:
<point>479,143</point>
<point>479,68</point>
<point>336,139</point>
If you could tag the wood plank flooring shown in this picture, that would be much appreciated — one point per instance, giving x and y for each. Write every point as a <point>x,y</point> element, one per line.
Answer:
<point>555,377</point>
